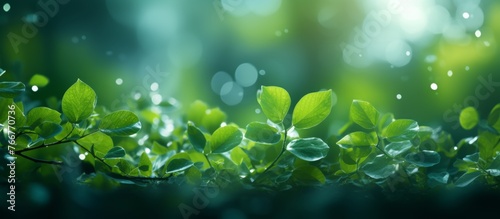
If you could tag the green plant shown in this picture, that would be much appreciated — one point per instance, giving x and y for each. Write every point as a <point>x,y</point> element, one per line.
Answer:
<point>150,142</point>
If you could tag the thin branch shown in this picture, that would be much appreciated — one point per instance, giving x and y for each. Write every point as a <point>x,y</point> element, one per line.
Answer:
<point>281,153</point>
<point>96,157</point>
<point>40,160</point>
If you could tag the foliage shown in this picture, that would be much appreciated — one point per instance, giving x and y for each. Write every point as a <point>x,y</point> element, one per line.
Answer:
<point>151,143</point>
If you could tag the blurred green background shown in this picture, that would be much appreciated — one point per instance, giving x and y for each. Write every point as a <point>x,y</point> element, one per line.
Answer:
<point>423,60</point>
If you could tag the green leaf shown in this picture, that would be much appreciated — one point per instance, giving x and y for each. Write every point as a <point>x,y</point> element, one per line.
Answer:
<point>38,115</point>
<point>494,118</point>
<point>312,109</point>
<point>380,167</point>
<point>2,72</point>
<point>488,143</point>
<point>494,168</point>
<point>308,149</point>
<point>262,133</point>
<point>467,179</point>
<point>441,177</point>
<point>145,165</point>
<point>225,139</point>
<point>11,89</point>
<point>424,158</point>
<point>196,137</point>
<point>115,152</point>
<point>357,139</point>
<point>100,142</point>
<point>120,123</point>
<point>196,112</point>
<point>48,129</point>
<point>275,102</point>
<point>469,118</point>
<point>397,148</point>
<point>78,102</point>
<point>193,176</point>
<point>213,119</point>
<point>308,174</point>
<point>177,165</point>
<point>385,120</point>
<point>401,130</point>
<point>364,114</point>
<point>38,80</point>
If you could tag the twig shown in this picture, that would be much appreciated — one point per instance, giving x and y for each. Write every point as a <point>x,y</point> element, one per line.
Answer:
<point>281,153</point>
<point>40,160</point>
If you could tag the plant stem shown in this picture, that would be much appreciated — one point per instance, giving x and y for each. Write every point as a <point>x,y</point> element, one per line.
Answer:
<point>39,160</point>
<point>209,163</point>
<point>281,153</point>
<point>96,157</point>
<point>381,141</point>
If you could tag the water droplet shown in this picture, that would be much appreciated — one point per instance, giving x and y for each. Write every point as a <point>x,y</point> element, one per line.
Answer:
<point>119,81</point>
<point>467,68</point>
<point>6,7</point>
<point>450,73</point>
<point>257,111</point>
<point>81,156</point>
<point>477,33</point>
<point>147,150</point>
<point>154,86</point>
<point>434,86</point>
<point>399,96</point>
<point>223,124</point>
<point>262,72</point>
<point>408,53</point>
<point>34,88</point>
<point>137,96</point>
<point>455,148</point>
<point>246,75</point>
<point>466,15</point>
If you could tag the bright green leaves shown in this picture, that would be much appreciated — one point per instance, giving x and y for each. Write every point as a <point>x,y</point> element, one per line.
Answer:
<point>469,118</point>
<point>38,80</point>
<point>494,118</point>
<point>121,123</point>
<point>312,109</point>
<point>262,133</point>
<point>358,139</point>
<point>196,137</point>
<point>364,114</point>
<point>98,142</point>
<point>78,102</point>
<point>401,130</point>
<point>308,149</point>
<point>48,130</point>
<point>423,158</point>
<point>177,165</point>
<point>225,138</point>
<point>145,165</point>
<point>275,102</point>
<point>11,89</point>
<point>39,115</point>
<point>380,167</point>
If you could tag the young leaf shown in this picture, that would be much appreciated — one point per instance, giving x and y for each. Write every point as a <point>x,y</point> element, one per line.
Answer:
<point>424,158</point>
<point>312,109</point>
<point>308,149</point>
<point>469,118</point>
<point>196,137</point>
<point>11,89</point>
<point>441,177</point>
<point>225,139</point>
<point>380,167</point>
<point>385,120</point>
<point>48,129</point>
<point>213,118</point>
<point>467,178</point>
<point>145,165</point>
<point>120,123</point>
<point>357,139</point>
<point>38,80</point>
<point>177,165</point>
<point>78,102</point>
<point>364,114</point>
<point>397,148</point>
<point>275,102</point>
<point>309,173</point>
<point>262,133</point>
<point>401,130</point>
<point>494,118</point>
<point>38,115</point>
<point>115,152</point>
<point>100,142</point>
<point>494,168</point>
